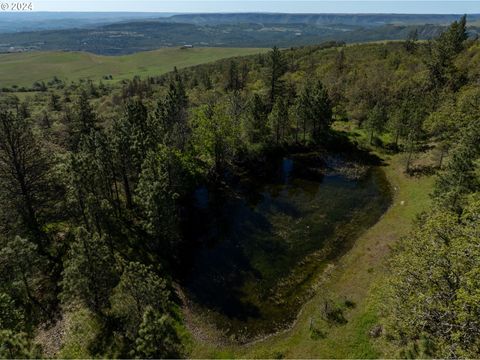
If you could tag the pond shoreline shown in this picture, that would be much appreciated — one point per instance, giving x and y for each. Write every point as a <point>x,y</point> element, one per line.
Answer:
<point>361,284</point>
<point>203,328</point>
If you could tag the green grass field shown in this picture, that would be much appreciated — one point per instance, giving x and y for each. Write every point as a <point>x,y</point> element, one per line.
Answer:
<point>23,69</point>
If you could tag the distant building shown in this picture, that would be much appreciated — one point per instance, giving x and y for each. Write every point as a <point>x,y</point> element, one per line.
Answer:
<point>13,49</point>
<point>187,47</point>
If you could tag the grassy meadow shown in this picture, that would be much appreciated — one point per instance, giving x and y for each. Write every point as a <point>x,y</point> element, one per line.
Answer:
<point>22,69</point>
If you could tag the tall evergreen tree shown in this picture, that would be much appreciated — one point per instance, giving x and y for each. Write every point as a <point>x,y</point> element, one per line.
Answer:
<point>84,119</point>
<point>278,120</point>
<point>132,137</point>
<point>89,271</point>
<point>157,337</point>
<point>257,119</point>
<point>277,68</point>
<point>444,49</point>
<point>24,176</point>
<point>460,176</point>
<point>138,289</point>
<point>22,271</point>
<point>376,120</point>
<point>233,80</point>
<point>314,111</point>
<point>171,116</point>
<point>156,198</point>
<point>411,42</point>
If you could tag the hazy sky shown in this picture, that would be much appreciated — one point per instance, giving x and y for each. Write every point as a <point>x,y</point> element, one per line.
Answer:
<point>313,6</point>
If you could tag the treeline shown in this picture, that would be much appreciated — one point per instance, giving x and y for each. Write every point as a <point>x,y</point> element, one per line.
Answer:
<point>97,181</point>
<point>432,304</point>
<point>433,299</point>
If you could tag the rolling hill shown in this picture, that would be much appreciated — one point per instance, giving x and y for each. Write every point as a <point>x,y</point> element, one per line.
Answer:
<point>364,20</point>
<point>43,66</point>
<point>229,30</point>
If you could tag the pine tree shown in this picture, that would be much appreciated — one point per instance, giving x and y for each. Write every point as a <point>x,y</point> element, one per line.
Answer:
<point>411,42</point>
<point>277,69</point>
<point>132,137</point>
<point>171,116</point>
<point>54,102</point>
<point>278,119</point>
<point>91,181</point>
<point>322,111</point>
<point>156,199</point>
<point>89,271</point>
<point>314,111</point>
<point>340,62</point>
<point>157,337</point>
<point>22,271</point>
<point>17,346</point>
<point>257,118</point>
<point>84,119</point>
<point>11,317</point>
<point>444,49</point>
<point>460,175</point>
<point>376,120</point>
<point>24,176</point>
<point>233,80</point>
<point>215,135</point>
<point>138,289</point>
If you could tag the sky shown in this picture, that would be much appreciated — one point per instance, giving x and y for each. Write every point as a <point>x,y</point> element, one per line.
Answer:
<point>288,6</point>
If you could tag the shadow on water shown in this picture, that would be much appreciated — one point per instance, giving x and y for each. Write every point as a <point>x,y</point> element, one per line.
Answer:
<point>262,243</point>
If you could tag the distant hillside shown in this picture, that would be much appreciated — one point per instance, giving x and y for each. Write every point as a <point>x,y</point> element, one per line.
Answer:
<point>229,30</point>
<point>11,22</point>
<point>364,20</point>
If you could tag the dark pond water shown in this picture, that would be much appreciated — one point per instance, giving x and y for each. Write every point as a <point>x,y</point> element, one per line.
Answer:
<point>267,242</point>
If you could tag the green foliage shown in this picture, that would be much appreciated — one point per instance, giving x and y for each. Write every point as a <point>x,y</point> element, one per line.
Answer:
<point>233,79</point>
<point>314,111</point>
<point>460,176</point>
<point>410,43</point>
<point>157,337</point>
<point>279,121</point>
<point>129,156</point>
<point>139,288</point>
<point>171,115</point>
<point>441,65</point>
<point>21,269</point>
<point>131,138</point>
<point>215,135</point>
<point>16,346</point>
<point>256,125</point>
<point>434,286</point>
<point>84,119</point>
<point>24,180</point>
<point>89,273</point>
<point>156,195</point>
<point>10,316</point>
<point>277,68</point>
<point>376,120</point>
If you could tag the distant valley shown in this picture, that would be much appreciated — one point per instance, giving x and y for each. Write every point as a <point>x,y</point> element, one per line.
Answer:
<point>148,32</point>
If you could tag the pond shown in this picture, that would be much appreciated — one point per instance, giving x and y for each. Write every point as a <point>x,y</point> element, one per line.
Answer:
<point>266,242</point>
